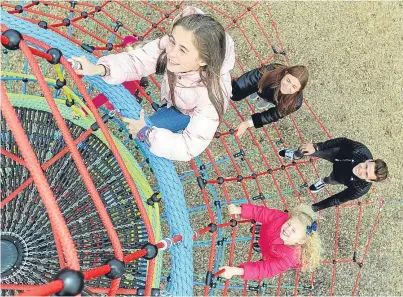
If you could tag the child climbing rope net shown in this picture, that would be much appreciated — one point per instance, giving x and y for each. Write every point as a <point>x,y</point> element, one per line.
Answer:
<point>78,197</point>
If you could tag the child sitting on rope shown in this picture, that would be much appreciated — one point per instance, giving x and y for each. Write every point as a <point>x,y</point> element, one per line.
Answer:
<point>274,83</point>
<point>353,166</point>
<point>195,59</point>
<point>287,241</point>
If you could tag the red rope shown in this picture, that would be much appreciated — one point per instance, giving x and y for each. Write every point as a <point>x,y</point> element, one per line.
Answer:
<point>44,290</point>
<point>12,156</point>
<point>44,167</point>
<point>55,216</point>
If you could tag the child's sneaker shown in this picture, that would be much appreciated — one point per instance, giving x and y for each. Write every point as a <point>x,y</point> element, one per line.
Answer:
<point>318,186</point>
<point>262,104</point>
<point>291,154</point>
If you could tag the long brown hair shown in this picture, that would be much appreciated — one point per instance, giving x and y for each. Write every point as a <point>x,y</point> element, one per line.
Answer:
<point>271,79</point>
<point>210,41</point>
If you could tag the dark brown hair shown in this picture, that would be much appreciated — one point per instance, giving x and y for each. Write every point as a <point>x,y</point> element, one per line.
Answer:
<point>210,41</point>
<point>381,170</point>
<point>271,79</point>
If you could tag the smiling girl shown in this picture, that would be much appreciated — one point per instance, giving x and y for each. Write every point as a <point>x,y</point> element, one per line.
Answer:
<point>274,83</point>
<point>195,59</point>
<point>287,241</point>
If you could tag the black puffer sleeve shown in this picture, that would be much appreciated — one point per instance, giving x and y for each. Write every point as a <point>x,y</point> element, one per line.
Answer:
<point>246,84</point>
<point>272,114</point>
<point>335,142</point>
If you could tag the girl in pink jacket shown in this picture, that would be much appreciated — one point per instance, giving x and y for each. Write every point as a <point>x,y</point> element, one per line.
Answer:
<point>287,241</point>
<point>195,59</point>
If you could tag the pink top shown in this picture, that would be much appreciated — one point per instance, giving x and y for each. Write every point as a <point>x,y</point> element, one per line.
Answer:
<point>191,98</point>
<point>276,256</point>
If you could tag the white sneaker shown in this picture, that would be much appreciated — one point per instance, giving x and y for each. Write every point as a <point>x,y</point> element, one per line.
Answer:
<point>291,154</point>
<point>318,186</point>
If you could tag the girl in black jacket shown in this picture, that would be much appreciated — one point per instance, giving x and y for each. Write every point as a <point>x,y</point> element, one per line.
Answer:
<point>274,83</point>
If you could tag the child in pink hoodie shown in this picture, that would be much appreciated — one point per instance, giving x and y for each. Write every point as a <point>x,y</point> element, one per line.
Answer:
<point>195,59</point>
<point>287,241</point>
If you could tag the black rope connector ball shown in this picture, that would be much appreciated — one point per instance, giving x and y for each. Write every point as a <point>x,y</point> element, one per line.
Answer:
<point>154,25</point>
<point>217,134</point>
<point>231,131</point>
<point>166,15</point>
<point>213,227</point>
<point>25,79</point>
<point>233,223</point>
<point>109,46</point>
<point>117,268</point>
<point>239,178</point>
<point>36,2</point>
<point>56,55</point>
<point>282,167</point>
<point>220,180</point>
<point>269,171</point>
<point>60,84</point>
<point>151,249</point>
<point>73,282</point>
<point>84,14</point>
<point>202,167</point>
<point>43,24</point>
<point>19,8</point>
<point>254,175</point>
<point>70,103</point>
<point>66,22</point>
<point>98,8</point>
<point>14,38</point>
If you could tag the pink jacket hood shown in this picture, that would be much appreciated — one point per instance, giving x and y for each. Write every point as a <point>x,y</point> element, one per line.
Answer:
<point>191,98</point>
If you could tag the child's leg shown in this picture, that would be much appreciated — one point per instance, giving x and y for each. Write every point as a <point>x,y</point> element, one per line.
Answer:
<point>170,118</point>
<point>330,180</point>
<point>328,154</point>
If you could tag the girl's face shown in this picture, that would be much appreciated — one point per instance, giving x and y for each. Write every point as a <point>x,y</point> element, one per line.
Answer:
<point>181,53</point>
<point>293,232</point>
<point>289,84</point>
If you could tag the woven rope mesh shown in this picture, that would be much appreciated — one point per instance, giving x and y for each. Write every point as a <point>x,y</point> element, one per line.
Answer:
<point>250,168</point>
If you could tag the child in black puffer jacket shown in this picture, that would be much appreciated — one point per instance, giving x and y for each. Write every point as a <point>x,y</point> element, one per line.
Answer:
<point>276,84</point>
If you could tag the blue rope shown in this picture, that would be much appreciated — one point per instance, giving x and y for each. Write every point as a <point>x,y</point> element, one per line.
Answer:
<point>169,183</point>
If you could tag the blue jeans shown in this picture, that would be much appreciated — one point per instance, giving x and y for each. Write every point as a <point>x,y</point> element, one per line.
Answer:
<point>170,118</point>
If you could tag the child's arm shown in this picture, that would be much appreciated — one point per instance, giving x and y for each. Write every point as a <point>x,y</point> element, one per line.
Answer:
<point>355,191</point>
<point>260,214</point>
<point>336,142</point>
<point>265,269</point>
<point>133,65</point>
<point>272,115</point>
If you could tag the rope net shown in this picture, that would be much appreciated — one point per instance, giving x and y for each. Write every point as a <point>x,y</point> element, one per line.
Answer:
<point>79,193</point>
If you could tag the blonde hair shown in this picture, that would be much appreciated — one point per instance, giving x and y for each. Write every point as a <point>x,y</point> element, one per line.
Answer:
<point>311,249</point>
